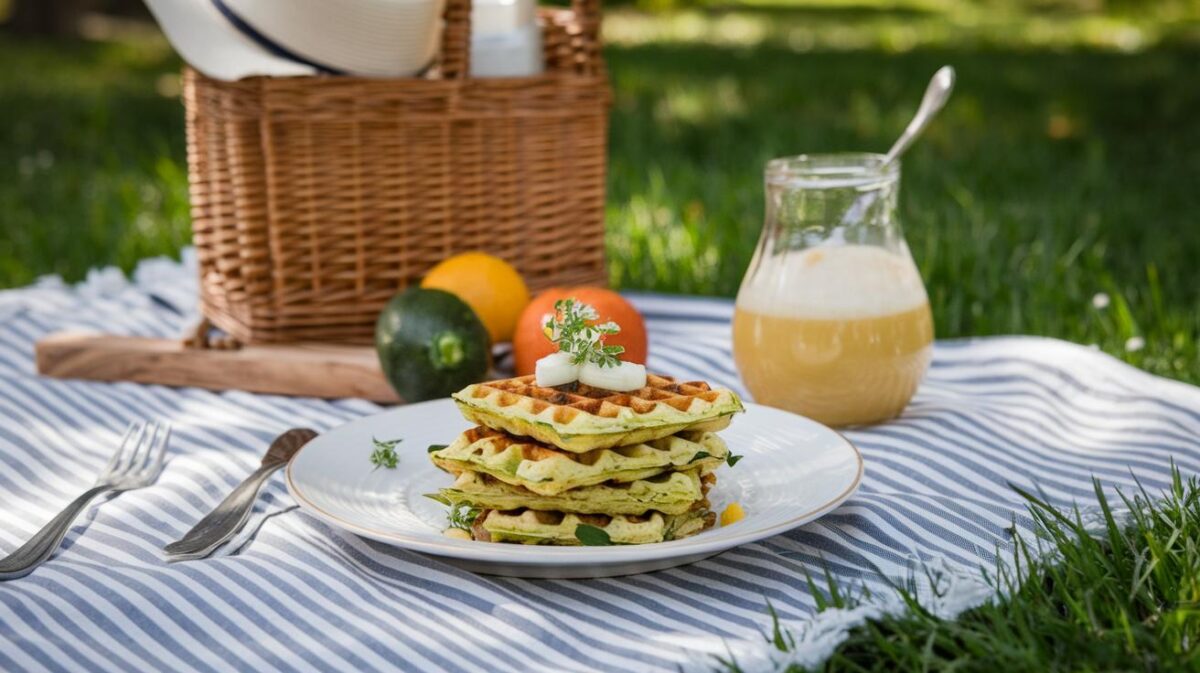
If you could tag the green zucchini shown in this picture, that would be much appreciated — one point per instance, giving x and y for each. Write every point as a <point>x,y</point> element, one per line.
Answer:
<point>430,344</point>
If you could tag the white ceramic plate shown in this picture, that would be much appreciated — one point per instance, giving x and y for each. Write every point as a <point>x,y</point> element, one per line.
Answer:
<point>794,471</point>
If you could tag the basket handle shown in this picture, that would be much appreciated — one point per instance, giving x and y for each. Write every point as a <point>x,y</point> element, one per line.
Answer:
<point>456,34</point>
<point>456,39</point>
<point>587,13</point>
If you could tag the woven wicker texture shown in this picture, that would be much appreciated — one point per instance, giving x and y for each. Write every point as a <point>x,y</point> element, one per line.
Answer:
<point>315,199</point>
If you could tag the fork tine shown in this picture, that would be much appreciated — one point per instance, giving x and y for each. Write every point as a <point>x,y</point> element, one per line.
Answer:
<point>110,468</point>
<point>145,442</point>
<point>130,461</point>
<point>156,444</point>
<point>160,451</point>
<point>146,458</point>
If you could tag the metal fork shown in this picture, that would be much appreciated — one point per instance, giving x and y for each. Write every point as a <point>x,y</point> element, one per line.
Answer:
<point>137,463</point>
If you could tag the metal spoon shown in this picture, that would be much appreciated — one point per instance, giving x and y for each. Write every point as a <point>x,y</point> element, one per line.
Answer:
<point>228,518</point>
<point>936,95</point>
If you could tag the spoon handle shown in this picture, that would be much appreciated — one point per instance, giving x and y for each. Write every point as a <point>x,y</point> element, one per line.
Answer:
<point>936,95</point>
<point>228,518</point>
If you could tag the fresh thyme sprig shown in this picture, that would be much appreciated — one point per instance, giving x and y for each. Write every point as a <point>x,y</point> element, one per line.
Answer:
<point>461,515</point>
<point>568,327</point>
<point>384,454</point>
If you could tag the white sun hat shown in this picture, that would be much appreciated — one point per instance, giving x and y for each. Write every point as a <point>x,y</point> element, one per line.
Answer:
<point>232,39</point>
<point>207,41</point>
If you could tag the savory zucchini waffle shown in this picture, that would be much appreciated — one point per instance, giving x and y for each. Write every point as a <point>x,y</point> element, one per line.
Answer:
<point>537,527</point>
<point>670,493</point>
<point>580,418</point>
<point>576,464</point>
<point>549,471</point>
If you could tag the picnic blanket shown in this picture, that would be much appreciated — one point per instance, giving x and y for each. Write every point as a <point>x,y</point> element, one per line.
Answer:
<point>303,596</point>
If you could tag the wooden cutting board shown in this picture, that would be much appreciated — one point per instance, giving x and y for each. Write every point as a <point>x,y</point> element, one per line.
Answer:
<point>310,370</point>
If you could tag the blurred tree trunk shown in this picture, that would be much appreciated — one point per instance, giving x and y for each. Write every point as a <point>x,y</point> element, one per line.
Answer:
<point>45,17</point>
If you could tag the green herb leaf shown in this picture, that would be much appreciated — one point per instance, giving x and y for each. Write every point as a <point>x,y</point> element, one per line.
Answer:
<point>732,459</point>
<point>592,536</point>
<point>435,447</point>
<point>569,330</point>
<point>700,455</point>
<point>606,356</point>
<point>384,454</point>
<point>438,497</point>
<point>462,515</point>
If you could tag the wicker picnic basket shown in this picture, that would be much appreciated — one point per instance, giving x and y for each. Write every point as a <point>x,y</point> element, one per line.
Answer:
<point>315,199</point>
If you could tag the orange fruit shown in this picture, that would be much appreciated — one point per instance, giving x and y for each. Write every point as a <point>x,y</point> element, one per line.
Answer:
<point>530,343</point>
<point>488,284</point>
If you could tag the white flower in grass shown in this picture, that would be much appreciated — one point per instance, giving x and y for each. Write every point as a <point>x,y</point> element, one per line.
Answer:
<point>31,164</point>
<point>1100,300</point>
<point>1134,344</point>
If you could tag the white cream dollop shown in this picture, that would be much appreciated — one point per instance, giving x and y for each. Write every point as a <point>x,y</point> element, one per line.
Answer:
<point>556,369</point>
<point>625,376</point>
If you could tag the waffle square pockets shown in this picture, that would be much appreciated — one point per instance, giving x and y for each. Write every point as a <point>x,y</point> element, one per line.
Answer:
<point>574,464</point>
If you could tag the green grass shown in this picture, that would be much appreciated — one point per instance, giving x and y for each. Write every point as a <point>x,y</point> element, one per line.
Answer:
<point>1126,598</point>
<point>1062,168</point>
<point>1065,165</point>
<point>92,166</point>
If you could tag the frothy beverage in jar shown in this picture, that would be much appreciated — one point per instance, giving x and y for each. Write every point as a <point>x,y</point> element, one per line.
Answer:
<point>841,333</point>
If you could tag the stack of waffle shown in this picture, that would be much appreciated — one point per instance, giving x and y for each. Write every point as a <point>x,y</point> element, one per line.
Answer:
<point>546,465</point>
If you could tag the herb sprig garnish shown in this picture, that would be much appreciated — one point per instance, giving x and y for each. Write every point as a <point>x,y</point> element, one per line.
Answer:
<point>461,515</point>
<point>568,328</point>
<point>384,454</point>
<point>592,536</point>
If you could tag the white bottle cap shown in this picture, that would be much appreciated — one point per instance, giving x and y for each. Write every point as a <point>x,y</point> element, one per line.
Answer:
<point>517,53</point>
<point>489,17</point>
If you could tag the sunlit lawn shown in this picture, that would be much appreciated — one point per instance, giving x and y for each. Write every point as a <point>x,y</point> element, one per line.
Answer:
<point>1063,174</point>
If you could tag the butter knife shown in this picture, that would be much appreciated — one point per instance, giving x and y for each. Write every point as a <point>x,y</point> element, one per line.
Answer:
<point>228,518</point>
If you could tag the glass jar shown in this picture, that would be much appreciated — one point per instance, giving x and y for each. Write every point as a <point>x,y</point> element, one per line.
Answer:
<point>832,319</point>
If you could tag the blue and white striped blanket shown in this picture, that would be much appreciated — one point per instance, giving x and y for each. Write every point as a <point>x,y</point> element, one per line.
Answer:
<point>303,596</point>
